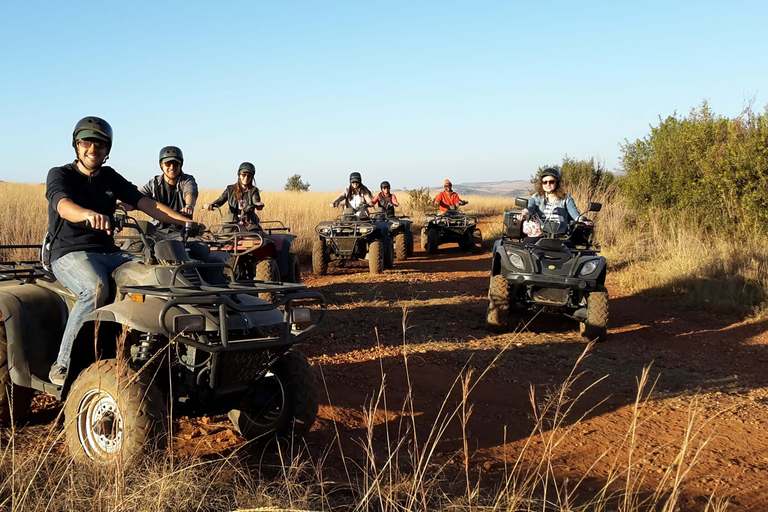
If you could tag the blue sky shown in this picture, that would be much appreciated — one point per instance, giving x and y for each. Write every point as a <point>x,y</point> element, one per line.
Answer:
<point>412,92</point>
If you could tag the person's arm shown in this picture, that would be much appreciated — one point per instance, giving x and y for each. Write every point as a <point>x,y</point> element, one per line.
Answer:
<point>161,212</point>
<point>339,199</point>
<point>368,199</point>
<point>256,198</point>
<point>531,206</point>
<point>573,211</point>
<point>189,192</point>
<point>375,200</point>
<point>394,200</point>
<point>439,199</point>
<point>71,211</point>
<point>223,198</point>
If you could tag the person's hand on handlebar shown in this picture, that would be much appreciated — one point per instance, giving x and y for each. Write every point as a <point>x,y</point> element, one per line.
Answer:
<point>207,207</point>
<point>98,221</point>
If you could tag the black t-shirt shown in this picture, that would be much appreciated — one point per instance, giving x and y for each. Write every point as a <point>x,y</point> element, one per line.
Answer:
<point>98,193</point>
<point>168,195</point>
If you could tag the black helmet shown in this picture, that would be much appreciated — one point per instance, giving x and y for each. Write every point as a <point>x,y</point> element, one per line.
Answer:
<point>385,184</point>
<point>246,168</point>
<point>92,127</point>
<point>551,171</point>
<point>171,153</point>
<point>355,178</point>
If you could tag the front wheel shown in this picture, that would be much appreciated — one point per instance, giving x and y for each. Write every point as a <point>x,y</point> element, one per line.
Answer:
<point>433,240</point>
<point>375,257</point>
<point>467,242</point>
<point>294,268</point>
<point>401,247</point>
<point>423,239</point>
<point>497,314</point>
<point>596,325</point>
<point>283,403</point>
<point>10,393</point>
<point>319,262</point>
<point>267,270</point>
<point>111,412</point>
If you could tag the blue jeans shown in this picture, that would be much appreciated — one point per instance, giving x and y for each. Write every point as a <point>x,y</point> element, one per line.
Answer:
<point>87,275</point>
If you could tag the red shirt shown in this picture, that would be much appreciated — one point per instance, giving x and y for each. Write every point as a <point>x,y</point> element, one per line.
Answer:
<point>443,200</point>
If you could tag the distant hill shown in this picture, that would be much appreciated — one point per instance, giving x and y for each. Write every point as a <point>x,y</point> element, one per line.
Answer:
<point>491,188</point>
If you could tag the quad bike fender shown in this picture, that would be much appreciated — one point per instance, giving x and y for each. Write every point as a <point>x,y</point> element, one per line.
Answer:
<point>282,251</point>
<point>34,319</point>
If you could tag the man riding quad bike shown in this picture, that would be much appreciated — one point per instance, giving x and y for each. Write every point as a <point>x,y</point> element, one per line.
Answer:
<point>354,235</point>
<point>451,226</point>
<point>548,266</point>
<point>176,335</point>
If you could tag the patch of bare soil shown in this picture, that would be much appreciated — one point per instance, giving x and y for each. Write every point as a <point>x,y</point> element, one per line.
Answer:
<point>697,359</point>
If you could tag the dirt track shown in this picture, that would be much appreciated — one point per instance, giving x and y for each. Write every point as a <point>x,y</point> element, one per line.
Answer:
<point>698,358</point>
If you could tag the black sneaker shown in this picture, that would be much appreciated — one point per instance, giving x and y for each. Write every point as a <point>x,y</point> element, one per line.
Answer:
<point>58,374</point>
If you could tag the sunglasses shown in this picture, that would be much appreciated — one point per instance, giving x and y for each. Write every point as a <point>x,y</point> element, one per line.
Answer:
<point>548,182</point>
<point>85,144</point>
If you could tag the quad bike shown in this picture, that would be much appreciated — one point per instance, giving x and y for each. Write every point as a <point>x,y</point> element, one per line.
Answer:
<point>258,252</point>
<point>399,231</point>
<point>177,335</point>
<point>453,226</point>
<point>354,235</point>
<point>562,273</point>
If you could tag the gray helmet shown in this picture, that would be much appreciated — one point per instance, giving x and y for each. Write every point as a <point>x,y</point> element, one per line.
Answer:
<point>385,184</point>
<point>551,171</point>
<point>92,127</point>
<point>246,168</point>
<point>172,153</point>
<point>355,178</point>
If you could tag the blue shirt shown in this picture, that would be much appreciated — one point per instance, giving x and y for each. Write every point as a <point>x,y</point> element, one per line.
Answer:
<point>553,216</point>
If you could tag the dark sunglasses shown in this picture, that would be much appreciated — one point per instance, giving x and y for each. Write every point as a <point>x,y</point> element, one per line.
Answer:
<point>548,182</point>
<point>85,144</point>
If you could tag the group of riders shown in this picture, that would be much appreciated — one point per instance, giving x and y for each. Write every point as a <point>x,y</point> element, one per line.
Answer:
<point>85,193</point>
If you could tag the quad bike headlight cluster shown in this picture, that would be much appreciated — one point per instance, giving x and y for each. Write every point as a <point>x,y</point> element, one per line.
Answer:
<point>364,230</point>
<point>514,258</point>
<point>589,267</point>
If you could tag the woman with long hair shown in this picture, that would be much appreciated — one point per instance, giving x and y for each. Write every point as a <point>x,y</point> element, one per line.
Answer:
<point>550,206</point>
<point>243,198</point>
<point>356,196</point>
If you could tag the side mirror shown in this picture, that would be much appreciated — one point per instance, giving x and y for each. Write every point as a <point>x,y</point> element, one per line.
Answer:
<point>522,202</point>
<point>594,207</point>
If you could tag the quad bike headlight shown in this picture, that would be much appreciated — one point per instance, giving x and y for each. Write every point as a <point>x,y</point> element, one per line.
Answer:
<point>365,230</point>
<point>325,230</point>
<point>589,267</point>
<point>515,259</point>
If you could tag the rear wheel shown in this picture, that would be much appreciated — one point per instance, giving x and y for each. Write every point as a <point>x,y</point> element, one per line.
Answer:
<point>389,255</point>
<point>319,263</point>
<point>111,412</point>
<point>294,268</point>
<point>375,257</point>
<point>267,270</point>
<point>14,400</point>
<point>596,325</point>
<point>283,403</point>
<point>409,239</point>
<point>497,314</point>
<point>467,242</point>
<point>433,240</point>
<point>401,246</point>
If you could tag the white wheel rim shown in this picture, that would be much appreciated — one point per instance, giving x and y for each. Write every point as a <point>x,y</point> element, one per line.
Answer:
<point>99,424</point>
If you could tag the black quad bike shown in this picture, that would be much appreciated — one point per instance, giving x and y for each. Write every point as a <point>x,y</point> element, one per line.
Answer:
<point>563,273</point>
<point>399,231</point>
<point>354,235</point>
<point>178,334</point>
<point>453,226</point>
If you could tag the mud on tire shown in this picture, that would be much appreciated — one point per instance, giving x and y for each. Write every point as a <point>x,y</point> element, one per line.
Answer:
<point>267,270</point>
<point>375,257</point>
<point>294,268</point>
<point>596,325</point>
<point>283,404</point>
<point>112,413</point>
<point>11,394</point>
<point>319,261</point>
<point>497,314</point>
<point>401,247</point>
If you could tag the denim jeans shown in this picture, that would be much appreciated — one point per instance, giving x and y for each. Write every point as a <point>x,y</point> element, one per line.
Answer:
<point>87,275</point>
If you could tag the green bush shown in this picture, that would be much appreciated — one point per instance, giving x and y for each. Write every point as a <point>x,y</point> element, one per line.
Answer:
<point>421,200</point>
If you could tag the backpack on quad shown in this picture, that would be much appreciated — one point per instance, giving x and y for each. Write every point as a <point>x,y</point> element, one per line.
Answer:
<point>561,273</point>
<point>175,330</point>
<point>453,226</point>
<point>354,235</point>
<point>399,232</point>
<point>262,254</point>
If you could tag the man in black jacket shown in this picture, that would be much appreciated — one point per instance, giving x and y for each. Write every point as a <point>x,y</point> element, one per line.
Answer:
<point>81,200</point>
<point>173,188</point>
